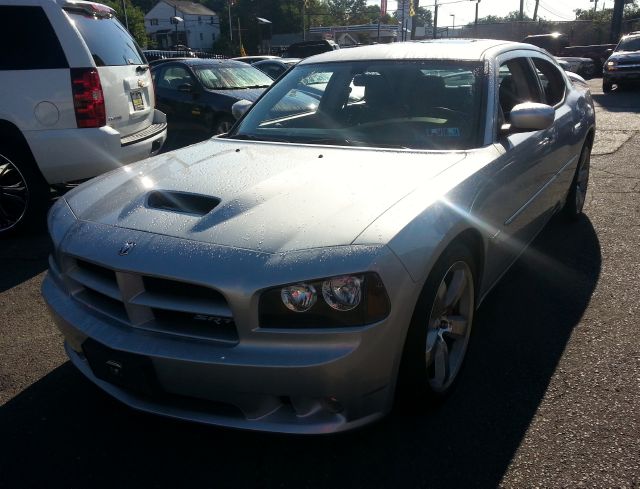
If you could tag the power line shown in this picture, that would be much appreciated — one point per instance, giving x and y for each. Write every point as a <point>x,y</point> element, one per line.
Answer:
<point>552,11</point>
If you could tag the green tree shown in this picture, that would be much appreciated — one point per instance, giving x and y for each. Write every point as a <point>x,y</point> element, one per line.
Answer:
<point>135,19</point>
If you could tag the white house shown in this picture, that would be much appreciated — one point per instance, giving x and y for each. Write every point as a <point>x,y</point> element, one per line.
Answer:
<point>173,22</point>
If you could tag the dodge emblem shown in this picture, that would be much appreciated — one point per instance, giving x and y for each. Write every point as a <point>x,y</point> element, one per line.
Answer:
<point>126,248</point>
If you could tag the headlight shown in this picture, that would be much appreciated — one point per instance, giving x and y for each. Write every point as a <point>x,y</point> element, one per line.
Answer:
<point>611,65</point>
<point>343,293</point>
<point>344,301</point>
<point>299,297</point>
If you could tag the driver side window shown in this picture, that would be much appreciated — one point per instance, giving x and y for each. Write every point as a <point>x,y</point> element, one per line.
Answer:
<point>517,83</point>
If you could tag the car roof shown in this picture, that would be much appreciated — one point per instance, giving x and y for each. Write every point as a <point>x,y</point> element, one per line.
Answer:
<point>466,49</point>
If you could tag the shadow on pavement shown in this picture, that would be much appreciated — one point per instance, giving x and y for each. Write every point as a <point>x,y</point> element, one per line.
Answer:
<point>623,99</point>
<point>23,257</point>
<point>63,432</point>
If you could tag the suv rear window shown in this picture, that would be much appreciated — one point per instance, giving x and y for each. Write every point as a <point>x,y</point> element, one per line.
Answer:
<point>109,42</point>
<point>28,40</point>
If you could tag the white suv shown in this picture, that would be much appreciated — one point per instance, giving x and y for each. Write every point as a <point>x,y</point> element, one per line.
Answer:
<point>76,100</point>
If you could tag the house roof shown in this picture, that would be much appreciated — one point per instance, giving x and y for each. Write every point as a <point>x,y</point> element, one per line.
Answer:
<point>191,8</point>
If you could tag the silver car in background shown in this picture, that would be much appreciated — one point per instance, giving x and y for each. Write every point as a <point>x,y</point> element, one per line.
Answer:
<point>332,248</point>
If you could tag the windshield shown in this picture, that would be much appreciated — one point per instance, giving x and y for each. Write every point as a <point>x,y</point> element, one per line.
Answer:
<point>423,104</point>
<point>229,77</point>
<point>629,45</point>
<point>109,42</point>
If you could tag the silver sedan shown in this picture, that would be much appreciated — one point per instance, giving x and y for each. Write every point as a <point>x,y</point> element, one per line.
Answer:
<point>328,254</point>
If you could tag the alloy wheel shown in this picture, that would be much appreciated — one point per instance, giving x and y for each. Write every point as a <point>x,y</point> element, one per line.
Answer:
<point>449,326</point>
<point>14,195</point>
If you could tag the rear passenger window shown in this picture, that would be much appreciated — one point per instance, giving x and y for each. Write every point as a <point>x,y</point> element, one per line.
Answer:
<point>552,81</point>
<point>28,41</point>
<point>109,42</point>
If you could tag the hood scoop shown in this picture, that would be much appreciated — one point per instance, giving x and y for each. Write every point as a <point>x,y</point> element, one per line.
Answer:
<point>186,203</point>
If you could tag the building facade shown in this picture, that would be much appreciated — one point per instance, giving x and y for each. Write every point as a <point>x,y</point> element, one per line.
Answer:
<point>175,22</point>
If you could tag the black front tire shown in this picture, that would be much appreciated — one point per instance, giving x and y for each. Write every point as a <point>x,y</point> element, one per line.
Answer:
<point>24,194</point>
<point>576,197</point>
<point>416,388</point>
<point>607,86</point>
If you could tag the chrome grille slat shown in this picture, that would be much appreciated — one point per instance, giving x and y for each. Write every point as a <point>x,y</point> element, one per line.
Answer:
<point>86,279</point>
<point>192,305</point>
<point>151,303</point>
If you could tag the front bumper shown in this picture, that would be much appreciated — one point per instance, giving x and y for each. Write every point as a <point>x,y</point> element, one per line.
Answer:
<point>269,380</point>
<point>67,155</point>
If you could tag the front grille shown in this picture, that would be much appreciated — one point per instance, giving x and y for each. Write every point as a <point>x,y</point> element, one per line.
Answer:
<point>152,303</point>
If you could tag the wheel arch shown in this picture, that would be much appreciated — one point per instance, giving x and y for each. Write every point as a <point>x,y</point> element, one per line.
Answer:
<point>17,143</point>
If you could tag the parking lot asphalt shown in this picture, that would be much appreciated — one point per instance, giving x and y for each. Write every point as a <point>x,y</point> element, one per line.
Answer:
<point>550,396</point>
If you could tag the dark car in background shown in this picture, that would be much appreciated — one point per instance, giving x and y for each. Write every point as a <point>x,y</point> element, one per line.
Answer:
<point>305,49</point>
<point>197,94</point>
<point>623,66</point>
<point>274,68</point>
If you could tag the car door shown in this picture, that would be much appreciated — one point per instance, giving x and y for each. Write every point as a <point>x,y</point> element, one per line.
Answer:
<point>175,95</point>
<point>505,204</point>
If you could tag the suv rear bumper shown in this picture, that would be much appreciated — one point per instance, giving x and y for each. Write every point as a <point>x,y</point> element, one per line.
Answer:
<point>67,155</point>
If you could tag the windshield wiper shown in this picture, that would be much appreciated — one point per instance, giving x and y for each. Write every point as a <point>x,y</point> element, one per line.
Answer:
<point>251,137</point>
<point>239,88</point>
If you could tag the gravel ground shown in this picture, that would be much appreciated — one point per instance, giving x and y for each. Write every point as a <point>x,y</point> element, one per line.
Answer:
<point>550,396</point>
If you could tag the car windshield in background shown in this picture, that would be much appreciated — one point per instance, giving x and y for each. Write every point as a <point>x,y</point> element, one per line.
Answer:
<point>230,77</point>
<point>109,42</point>
<point>629,45</point>
<point>395,104</point>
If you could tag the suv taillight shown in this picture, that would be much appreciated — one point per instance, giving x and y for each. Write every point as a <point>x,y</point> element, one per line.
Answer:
<point>88,99</point>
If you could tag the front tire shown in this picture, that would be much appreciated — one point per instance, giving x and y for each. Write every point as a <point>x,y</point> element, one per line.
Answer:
<point>578,191</point>
<point>440,329</point>
<point>607,86</point>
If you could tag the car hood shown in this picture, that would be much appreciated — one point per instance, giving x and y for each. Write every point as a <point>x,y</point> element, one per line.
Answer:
<point>270,197</point>
<point>625,56</point>
<point>250,94</point>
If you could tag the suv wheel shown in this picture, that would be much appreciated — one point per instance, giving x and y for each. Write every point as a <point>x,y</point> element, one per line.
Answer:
<point>606,86</point>
<point>23,193</point>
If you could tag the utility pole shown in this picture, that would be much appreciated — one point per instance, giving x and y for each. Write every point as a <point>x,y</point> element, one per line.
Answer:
<point>402,31</point>
<point>595,8</point>
<point>304,4</point>
<point>124,9</point>
<point>535,11</point>
<point>521,10</point>
<point>435,19</point>
<point>230,25</point>
<point>616,21</point>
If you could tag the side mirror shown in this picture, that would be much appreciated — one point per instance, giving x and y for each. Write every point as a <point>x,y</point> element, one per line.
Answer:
<point>240,107</point>
<point>185,87</point>
<point>531,116</point>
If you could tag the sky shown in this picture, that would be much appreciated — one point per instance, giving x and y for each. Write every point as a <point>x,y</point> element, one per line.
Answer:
<point>464,11</point>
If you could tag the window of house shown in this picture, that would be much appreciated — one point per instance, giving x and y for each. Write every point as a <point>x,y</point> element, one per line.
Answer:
<point>154,21</point>
<point>201,36</point>
<point>199,19</point>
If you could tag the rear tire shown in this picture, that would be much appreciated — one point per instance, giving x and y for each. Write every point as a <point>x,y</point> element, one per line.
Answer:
<point>437,340</point>
<point>24,194</point>
<point>578,191</point>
